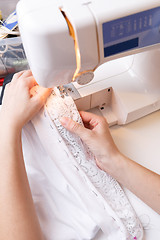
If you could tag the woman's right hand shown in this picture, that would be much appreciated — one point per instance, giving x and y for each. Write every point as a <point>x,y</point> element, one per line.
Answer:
<point>95,133</point>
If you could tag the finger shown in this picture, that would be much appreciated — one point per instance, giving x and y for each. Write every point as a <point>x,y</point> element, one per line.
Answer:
<point>7,87</point>
<point>42,95</point>
<point>90,120</point>
<point>17,75</point>
<point>76,128</point>
<point>87,116</point>
<point>22,74</point>
<point>26,73</point>
<point>30,82</point>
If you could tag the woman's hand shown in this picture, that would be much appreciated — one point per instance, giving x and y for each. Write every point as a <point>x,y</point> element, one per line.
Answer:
<point>16,205</point>
<point>18,105</point>
<point>96,135</point>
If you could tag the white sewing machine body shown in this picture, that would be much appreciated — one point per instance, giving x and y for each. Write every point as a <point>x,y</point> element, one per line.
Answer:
<point>118,43</point>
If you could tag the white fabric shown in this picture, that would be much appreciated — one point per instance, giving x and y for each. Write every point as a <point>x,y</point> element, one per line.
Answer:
<point>73,197</point>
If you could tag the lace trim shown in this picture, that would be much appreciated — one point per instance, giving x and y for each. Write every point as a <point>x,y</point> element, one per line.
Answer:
<point>107,187</point>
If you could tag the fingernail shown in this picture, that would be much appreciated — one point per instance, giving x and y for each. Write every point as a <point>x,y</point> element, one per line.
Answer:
<point>64,121</point>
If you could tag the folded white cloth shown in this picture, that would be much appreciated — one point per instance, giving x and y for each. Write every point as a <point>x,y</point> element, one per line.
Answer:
<point>73,197</point>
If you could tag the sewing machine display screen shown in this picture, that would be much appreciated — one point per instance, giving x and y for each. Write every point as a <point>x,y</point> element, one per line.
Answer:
<point>131,32</point>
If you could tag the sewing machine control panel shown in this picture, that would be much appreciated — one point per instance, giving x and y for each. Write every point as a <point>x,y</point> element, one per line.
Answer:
<point>134,31</point>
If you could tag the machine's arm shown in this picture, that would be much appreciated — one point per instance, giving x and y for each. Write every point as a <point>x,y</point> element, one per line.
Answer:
<point>66,41</point>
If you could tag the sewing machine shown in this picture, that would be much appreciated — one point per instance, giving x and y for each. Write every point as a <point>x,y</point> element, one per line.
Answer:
<point>106,56</point>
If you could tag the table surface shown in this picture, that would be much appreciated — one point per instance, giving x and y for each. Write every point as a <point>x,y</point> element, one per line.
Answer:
<point>140,141</point>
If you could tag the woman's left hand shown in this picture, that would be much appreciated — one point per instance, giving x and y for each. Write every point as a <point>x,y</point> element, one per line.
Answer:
<point>19,106</point>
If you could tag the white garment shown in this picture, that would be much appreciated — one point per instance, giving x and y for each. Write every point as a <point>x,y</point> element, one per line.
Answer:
<point>73,197</point>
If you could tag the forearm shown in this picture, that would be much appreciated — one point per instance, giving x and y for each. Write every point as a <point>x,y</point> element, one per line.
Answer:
<point>18,219</point>
<point>142,182</point>
<point>95,133</point>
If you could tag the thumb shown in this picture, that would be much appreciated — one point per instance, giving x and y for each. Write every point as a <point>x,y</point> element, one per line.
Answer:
<point>75,127</point>
<point>43,93</point>
<point>40,95</point>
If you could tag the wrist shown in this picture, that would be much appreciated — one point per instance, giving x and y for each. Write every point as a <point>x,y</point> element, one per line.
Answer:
<point>118,166</point>
<point>8,125</point>
<point>112,163</point>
